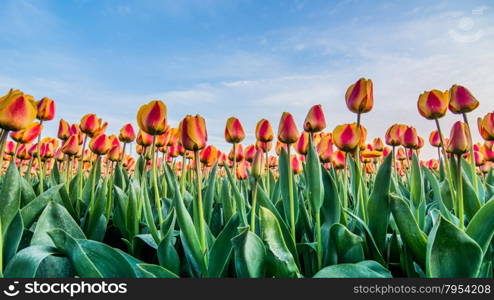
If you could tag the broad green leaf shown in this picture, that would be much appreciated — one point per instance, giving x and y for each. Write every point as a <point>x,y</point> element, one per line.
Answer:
<point>314,178</point>
<point>11,196</point>
<point>221,250</point>
<point>250,254</point>
<point>155,271</point>
<point>481,227</point>
<point>12,238</point>
<point>280,260</point>
<point>349,246</point>
<point>283,166</point>
<point>363,269</point>
<point>451,253</point>
<point>209,194</point>
<point>34,208</point>
<point>416,182</point>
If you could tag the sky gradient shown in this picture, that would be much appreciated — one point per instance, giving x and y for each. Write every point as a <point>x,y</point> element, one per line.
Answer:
<point>248,59</point>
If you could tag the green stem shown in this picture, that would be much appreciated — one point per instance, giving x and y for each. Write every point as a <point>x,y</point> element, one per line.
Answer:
<point>183,176</point>
<point>267,175</point>
<point>472,156</point>
<point>157,200</point>
<point>449,176</point>
<point>290,193</point>
<point>41,175</point>
<point>460,193</point>
<point>199,202</point>
<point>81,162</point>
<point>253,209</point>
<point>319,240</point>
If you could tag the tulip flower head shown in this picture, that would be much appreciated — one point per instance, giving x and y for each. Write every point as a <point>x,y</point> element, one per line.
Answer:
<point>100,144</point>
<point>27,135</point>
<point>394,134</point>
<point>325,148</point>
<point>459,140</point>
<point>17,111</point>
<point>346,137</point>
<point>409,139</point>
<point>486,126</point>
<point>151,117</point>
<point>315,120</point>
<point>302,145</point>
<point>249,153</point>
<point>71,146</point>
<point>234,132</point>
<point>45,109</point>
<point>377,144</point>
<point>193,133</point>
<point>264,131</point>
<point>258,164</point>
<point>209,155</point>
<point>435,139</point>
<point>287,129</point>
<point>338,159</point>
<point>360,96</point>
<point>127,134</point>
<point>90,124</point>
<point>433,104</point>
<point>461,100</point>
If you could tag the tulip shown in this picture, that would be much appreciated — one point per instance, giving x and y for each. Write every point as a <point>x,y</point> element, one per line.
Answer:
<point>162,140</point>
<point>400,155</point>
<point>433,104</point>
<point>479,158</point>
<point>296,164</point>
<point>359,96</point>
<point>371,154</point>
<point>287,129</point>
<point>265,146</point>
<point>23,152</point>
<point>461,100</point>
<point>71,146</point>
<point>45,109</point>
<point>127,134</point>
<point>409,139</point>
<point>338,159</point>
<point>264,131</point>
<point>90,124</point>
<point>10,148</point>
<point>100,144</point>
<point>144,139</point>
<point>315,120</point>
<point>237,153</point>
<point>46,151</point>
<point>459,139</point>
<point>377,144</point>
<point>17,111</point>
<point>115,153</point>
<point>394,134</point>
<point>434,139</point>
<point>486,126</point>
<point>209,155</point>
<point>234,132</point>
<point>241,171</point>
<point>151,117</point>
<point>346,137</point>
<point>325,148</point>
<point>27,135</point>
<point>249,153</point>
<point>193,133</point>
<point>258,164</point>
<point>302,145</point>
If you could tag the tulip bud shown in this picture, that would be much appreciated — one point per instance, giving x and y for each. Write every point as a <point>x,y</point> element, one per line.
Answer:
<point>239,153</point>
<point>273,162</point>
<point>241,171</point>
<point>151,117</point>
<point>127,134</point>
<point>249,153</point>
<point>71,146</point>
<point>279,146</point>
<point>162,139</point>
<point>435,139</point>
<point>325,148</point>
<point>338,159</point>
<point>23,152</point>
<point>302,145</point>
<point>486,126</point>
<point>297,166</point>
<point>369,154</point>
<point>265,146</point>
<point>394,134</point>
<point>100,144</point>
<point>27,135</point>
<point>461,100</point>
<point>46,151</point>
<point>377,144</point>
<point>46,109</point>
<point>433,104</point>
<point>63,130</point>
<point>144,139</point>
<point>346,137</point>
<point>359,96</point>
<point>234,132</point>
<point>400,154</point>
<point>259,164</point>
<point>17,111</point>
<point>115,153</point>
<point>479,158</point>
<point>9,148</point>
<point>264,131</point>
<point>459,139</point>
<point>222,159</point>
<point>90,124</point>
<point>287,129</point>
<point>409,138</point>
<point>209,155</point>
<point>315,120</point>
<point>193,133</point>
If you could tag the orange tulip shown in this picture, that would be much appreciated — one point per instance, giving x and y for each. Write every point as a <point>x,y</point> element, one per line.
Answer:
<point>209,155</point>
<point>264,131</point>
<point>241,171</point>
<point>258,164</point>
<point>71,146</point>
<point>338,159</point>
<point>433,104</point>
<point>265,146</point>
<point>9,148</point>
<point>27,135</point>
<point>47,151</point>
<point>325,148</point>
<point>360,96</point>
<point>409,139</point>
<point>239,153</point>
<point>435,139</point>
<point>287,129</point>
<point>302,145</point>
<point>46,109</point>
<point>461,100</point>
<point>115,153</point>
<point>279,146</point>
<point>297,166</point>
<point>479,158</point>
<point>377,144</point>
<point>17,110</point>
<point>100,144</point>
<point>249,153</point>
<point>315,120</point>
<point>346,137</point>
<point>234,132</point>
<point>370,154</point>
<point>486,126</point>
<point>394,134</point>
<point>459,139</point>
<point>162,139</point>
<point>127,134</point>
<point>151,117</point>
<point>23,152</point>
<point>193,133</point>
<point>90,124</point>
<point>144,139</point>
<point>400,154</point>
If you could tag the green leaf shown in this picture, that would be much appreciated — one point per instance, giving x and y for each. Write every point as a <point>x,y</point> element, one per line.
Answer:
<point>378,210</point>
<point>451,253</point>
<point>314,178</point>
<point>11,196</point>
<point>481,227</point>
<point>34,208</point>
<point>239,199</point>
<point>283,166</point>
<point>331,207</point>
<point>416,182</point>
<point>54,216</point>
<point>250,254</point>
<point>221,250</point>
<point>363,269</point>
<point>280,260</point>
<point>436,193</point>
<point>209,194</point>
<point>12,238</point>
<point>410,232</point>
<point>155,271</point>
<point>27,192</point>
<point>349,246</point>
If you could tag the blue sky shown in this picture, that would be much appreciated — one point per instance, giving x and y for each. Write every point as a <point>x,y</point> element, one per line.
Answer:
<point>249,59</point>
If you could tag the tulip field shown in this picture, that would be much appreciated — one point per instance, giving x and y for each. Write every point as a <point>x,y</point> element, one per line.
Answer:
<point>304,201</point>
